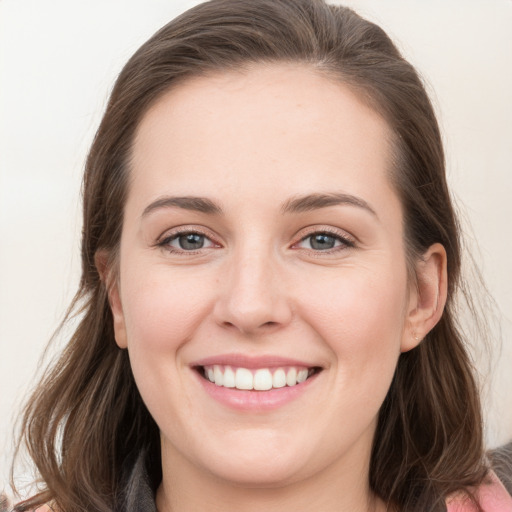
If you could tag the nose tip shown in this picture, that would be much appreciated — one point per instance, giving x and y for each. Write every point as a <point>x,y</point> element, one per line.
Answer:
<point>249,328</point>
<point>253,299</point>
<point>250,321</point>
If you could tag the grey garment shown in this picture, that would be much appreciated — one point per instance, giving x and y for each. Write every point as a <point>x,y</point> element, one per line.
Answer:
<point>138,496</point>
<point>501,463</point>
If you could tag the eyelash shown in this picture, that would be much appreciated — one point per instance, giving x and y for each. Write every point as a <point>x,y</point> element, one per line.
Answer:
<point>181,232</point>
<point>345,241</point>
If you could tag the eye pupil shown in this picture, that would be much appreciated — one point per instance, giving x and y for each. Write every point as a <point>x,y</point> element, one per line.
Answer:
<point>191,241</point>
<point>322,241</point>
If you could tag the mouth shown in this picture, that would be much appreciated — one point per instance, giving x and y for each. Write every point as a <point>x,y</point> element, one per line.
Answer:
<point>256,379</point>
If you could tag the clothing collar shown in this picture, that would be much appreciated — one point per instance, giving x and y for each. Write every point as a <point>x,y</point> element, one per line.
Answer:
<point>138,495</point>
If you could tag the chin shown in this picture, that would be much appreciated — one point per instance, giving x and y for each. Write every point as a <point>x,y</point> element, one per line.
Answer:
<point>258,474</point>
<point>258,459</point>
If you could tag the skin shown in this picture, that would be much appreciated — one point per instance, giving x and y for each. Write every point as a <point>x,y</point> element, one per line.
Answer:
<point>251,142</point>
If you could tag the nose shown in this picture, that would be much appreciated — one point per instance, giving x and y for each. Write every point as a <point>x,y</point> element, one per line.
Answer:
<point>253,296</point>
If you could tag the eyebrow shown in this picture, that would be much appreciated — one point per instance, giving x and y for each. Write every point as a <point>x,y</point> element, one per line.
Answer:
<point>298,204</point>
<point>197,204</point>
<point>311,202</point>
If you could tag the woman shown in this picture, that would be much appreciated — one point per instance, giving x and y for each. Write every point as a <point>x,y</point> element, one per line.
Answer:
<point>270,259</point>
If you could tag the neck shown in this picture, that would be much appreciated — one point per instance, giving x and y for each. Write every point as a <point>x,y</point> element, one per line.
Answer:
<point>338,488</point>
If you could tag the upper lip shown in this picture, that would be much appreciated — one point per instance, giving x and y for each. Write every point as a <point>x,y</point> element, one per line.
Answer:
<point>245,361</point>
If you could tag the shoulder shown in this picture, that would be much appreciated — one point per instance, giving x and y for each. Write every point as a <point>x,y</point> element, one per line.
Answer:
<point>492,496</point>
<point>45,508</point>
<point>501,463</point>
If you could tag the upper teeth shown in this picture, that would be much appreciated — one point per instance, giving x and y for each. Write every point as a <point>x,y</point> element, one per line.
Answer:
<point>260,380</point>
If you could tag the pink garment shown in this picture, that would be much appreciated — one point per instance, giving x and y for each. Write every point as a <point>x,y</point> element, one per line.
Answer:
<point>493,497</point>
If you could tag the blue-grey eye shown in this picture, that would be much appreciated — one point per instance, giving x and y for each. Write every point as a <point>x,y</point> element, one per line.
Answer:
<point>322,242</point>
<point>188,242</point>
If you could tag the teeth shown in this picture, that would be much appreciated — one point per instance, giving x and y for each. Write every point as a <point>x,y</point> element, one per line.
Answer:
<point>291,377</point>
<point>243,378</point>
<point>279,379</point>
<point>229,378</point>
<point>218,375</point>
<point>301,376</point>
<point>261,379</point>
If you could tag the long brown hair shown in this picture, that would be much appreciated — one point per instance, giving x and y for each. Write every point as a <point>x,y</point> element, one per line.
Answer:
<point>86,424</point>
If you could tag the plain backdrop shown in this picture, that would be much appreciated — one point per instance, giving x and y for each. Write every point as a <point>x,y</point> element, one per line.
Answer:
<point>58,61</point>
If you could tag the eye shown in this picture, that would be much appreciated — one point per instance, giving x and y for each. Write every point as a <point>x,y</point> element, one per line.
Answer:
<point>186,241</point>
<point>324,241</point>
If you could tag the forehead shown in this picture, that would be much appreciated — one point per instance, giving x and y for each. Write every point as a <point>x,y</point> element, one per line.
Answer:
<point>256,128</point>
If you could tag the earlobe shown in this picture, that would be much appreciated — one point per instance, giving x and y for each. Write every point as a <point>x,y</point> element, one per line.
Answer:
<point>104,267</point>
<point>428,297</point>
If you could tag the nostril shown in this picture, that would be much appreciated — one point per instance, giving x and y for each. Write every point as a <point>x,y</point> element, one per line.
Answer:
<point>247,328</point>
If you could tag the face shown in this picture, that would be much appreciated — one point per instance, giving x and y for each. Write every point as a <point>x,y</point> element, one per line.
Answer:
<point>262,249</point>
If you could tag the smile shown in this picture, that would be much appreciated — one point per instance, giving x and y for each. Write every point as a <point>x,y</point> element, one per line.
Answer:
<point>255,383</point>
<point>257,379</point>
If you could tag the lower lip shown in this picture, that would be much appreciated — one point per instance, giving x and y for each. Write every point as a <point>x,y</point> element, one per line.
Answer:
<point>256,400</point>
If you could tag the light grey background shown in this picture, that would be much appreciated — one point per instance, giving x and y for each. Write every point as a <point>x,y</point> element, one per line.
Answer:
<point>58,61</point>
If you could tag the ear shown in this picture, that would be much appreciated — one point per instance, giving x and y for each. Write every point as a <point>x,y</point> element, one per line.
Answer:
<point>104,267</point>
<point>427,297</point>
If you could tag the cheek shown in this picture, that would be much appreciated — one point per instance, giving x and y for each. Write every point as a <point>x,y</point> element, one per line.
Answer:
<point>162,312</point>
<point>162,309</point>
<point>360,315</point>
